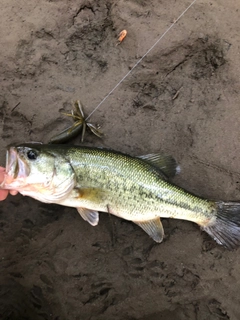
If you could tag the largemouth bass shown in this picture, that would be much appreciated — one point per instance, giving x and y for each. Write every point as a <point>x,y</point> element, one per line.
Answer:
<point>132,188</point>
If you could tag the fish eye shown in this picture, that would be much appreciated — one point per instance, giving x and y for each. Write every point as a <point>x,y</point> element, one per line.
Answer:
<point>32,155</point>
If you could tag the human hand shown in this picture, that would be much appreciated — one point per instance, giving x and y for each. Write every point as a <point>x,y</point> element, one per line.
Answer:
<point>4,193</point>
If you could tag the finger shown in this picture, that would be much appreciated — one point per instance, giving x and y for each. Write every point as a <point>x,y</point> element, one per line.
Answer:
<point>1,176</point>
<point>13,192</point>
<point>3,194</point>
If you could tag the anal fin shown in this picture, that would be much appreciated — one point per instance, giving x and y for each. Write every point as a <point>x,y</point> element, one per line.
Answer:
<point>153,228</point>
<point>90,216</point>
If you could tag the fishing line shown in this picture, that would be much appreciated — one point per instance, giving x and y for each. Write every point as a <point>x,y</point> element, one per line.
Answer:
<point>140,60</point>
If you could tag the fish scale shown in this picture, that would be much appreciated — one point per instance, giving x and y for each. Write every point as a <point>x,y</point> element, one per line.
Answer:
<point>134,184</point>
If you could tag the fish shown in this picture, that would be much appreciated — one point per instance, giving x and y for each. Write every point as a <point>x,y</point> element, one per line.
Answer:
<point>136,189</point>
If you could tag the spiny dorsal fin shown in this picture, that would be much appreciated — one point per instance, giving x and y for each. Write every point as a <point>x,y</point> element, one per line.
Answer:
<point>90,216</point>
<point>153,228</point>
<point>167,164</point>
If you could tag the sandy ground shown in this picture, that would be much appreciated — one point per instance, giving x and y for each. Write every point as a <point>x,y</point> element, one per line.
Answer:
<point>53,264</point>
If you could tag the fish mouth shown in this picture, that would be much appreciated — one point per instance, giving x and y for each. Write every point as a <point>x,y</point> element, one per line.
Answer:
<point>11,162</point>
<point>16,169</point>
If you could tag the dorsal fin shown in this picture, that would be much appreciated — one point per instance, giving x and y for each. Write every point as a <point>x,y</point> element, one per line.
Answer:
<point>167,164</point>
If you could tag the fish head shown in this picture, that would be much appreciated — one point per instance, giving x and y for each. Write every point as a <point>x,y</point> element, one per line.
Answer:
<point>37,171</point>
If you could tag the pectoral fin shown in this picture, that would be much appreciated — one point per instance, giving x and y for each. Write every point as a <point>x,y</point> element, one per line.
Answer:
<point>153,228</point>
<point>167,164</point>
<point>89,215</point>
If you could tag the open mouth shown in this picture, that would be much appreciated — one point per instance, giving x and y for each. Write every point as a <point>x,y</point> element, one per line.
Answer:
<point>11,163</point>
<point>16,168</point>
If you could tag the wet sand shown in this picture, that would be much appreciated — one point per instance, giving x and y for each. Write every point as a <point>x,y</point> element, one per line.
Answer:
<point>183,99</point>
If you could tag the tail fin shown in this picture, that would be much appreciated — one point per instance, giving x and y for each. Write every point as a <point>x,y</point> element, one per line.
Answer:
<point>226,227</point>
